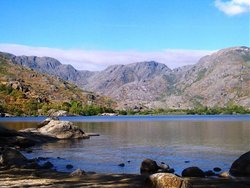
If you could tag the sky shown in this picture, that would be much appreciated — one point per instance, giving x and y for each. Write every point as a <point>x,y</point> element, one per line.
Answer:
<point>92,34</point>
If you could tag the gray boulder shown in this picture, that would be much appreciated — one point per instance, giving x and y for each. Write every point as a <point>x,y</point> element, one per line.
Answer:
<point>62,130</point>
<point>241,166</point>
<point>166,180</point>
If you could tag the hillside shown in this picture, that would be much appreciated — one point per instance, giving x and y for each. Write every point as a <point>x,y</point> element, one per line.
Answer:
<point>217,80</point>
<point>24,91</point>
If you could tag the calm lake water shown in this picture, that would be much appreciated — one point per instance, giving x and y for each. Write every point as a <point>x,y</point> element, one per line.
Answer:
<point>203,141</point>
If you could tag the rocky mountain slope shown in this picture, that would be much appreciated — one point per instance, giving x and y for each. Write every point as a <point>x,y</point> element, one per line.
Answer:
<point>24,91</point>
<point>216,80</point>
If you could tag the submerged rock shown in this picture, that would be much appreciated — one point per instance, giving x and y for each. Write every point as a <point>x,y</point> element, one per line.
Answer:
<point>149,166</point>
<point>217,169</point>
<point>69,166</point>
<point>166,180</point>
<point>121,165</point>
<point>62,130</point>
<point>241,166</point>
<point>47,165</point>
<point>193,172</point>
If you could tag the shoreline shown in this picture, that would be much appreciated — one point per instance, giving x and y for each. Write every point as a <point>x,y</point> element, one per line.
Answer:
<point>34,176</point>
<point>96,118</point>
<point>49,178</point>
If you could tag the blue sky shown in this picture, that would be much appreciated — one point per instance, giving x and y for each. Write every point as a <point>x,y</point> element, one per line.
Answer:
<point>122,26</point>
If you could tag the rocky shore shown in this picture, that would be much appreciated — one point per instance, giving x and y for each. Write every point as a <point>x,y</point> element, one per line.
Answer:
<point>17,170</point>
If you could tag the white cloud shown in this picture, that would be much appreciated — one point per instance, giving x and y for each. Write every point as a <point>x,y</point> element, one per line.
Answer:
<point>98,60</point>
<point>233,7</point>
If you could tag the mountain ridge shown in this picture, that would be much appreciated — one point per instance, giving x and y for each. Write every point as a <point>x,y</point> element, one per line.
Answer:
<point>215,80</point>
<point>24,91</point>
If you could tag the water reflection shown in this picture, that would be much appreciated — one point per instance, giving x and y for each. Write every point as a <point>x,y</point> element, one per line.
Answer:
<point>204,143</point>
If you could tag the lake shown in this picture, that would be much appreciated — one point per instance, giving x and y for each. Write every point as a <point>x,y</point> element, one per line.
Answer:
<point>180,141</point>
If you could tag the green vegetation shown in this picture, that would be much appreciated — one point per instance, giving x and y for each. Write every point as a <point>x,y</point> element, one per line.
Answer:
<point>34,108</point>
<point>230,109</point>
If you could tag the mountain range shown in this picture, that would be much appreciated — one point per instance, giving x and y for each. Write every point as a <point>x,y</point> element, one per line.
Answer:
<point>24,91</point>
<point>218,79</point>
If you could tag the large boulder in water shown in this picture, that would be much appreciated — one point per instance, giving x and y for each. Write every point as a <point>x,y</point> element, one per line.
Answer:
<point>149,166</point>
<point>62,130</point>
<point>166,180</point>
<point>193,172</point>
<point>241,167</point>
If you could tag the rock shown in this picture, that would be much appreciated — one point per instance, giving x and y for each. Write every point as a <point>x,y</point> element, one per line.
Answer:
<point>8,115</point>
<point>46,121</point>
<point>77,172</point>
<point>62,130</point>
<point>23,142</point>
<point>170,170</point>
<point>166,180</point>
<point>29,130</point>
<point>92,134</point>
<point>69,166</point>
<point>193,172</point>
<point>47,165</point>
<point>148,166</point>
<point>209,173</point>
<point>12,157</point>
<point>165,168</point>
<point>224,175</point>
<point>54,113</point>
<point>109,114</point>
<point>241,166</point>
<point>217,169</point>
<point>121,165</point>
